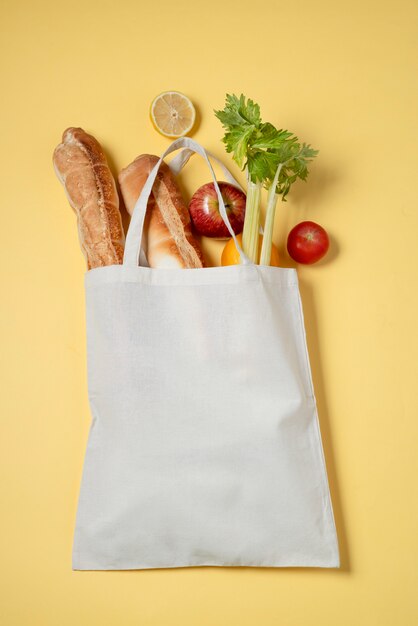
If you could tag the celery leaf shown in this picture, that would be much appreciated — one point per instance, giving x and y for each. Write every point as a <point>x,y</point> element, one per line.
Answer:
<point>260,147</point>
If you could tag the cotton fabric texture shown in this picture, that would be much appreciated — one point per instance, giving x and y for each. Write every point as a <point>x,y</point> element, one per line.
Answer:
<point>204,446</point>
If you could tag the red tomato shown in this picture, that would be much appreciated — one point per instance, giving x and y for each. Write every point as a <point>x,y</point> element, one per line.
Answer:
<point>307,242</point>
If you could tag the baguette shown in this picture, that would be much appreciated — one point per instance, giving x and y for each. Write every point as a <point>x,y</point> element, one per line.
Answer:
<point>82,168</point>
<point>168,241</point>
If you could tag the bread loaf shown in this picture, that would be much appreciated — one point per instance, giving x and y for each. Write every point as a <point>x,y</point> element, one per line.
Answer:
<point>81,166</point>
<point>168,241</point>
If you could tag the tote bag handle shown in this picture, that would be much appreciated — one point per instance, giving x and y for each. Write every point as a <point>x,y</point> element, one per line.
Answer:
<point>181,159</point>
<point>134,236</point>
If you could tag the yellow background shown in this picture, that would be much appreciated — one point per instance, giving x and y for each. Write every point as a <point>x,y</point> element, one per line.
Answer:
<point>341,75</point>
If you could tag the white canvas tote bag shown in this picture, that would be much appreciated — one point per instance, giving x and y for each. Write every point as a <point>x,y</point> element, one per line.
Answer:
<point>204,446</point>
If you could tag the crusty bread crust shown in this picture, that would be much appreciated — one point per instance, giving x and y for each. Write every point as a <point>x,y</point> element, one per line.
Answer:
<point>81,166</point>
<point>168,241</point>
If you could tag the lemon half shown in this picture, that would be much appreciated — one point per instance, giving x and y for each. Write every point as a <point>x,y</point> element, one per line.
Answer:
<point>172,114</point>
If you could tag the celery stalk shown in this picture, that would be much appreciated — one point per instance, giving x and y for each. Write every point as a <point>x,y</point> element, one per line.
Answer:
<point>269,223</point>
<point>250,233</point>
<point>265,153</point>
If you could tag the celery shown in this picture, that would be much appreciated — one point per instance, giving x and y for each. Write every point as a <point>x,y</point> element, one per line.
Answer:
<point>272,158</point>
<point>250,233</point>
<point>269,223</point>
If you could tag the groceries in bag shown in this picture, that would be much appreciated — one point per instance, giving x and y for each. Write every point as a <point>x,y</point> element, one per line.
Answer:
<point>271,158</point>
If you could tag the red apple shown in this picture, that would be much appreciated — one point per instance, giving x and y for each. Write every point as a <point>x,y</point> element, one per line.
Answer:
<point>204,210</point>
